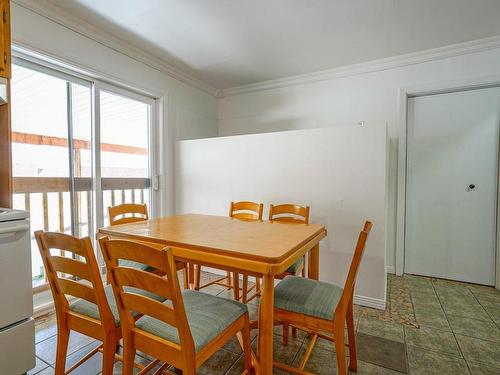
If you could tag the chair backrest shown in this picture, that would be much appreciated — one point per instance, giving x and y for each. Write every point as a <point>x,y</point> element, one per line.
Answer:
<point>77,276</point>
<point>350,282</point>
<point>246,210</point>
<point>117,214</point>
<point>289,213</point>
<point>124,278</point>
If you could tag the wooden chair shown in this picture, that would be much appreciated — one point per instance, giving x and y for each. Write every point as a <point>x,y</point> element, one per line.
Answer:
<point>292,214</point>
<point>127,213</point>
<point>321,309</point>
<point>131,213</point>
<point>91,315</point>
<point>288,213</point>
<point>247,211</point>
<point>185,330</point>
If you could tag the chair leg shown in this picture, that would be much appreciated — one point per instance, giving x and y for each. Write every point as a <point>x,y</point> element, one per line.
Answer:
<point>353,363</point>
<point>128,357</point>
<point>294,332</point>
<point>286,332</point>
<point>191,275</point>
<point>257,285</point>
<point>228,278</point>
<point>197,277</point>
<point>338,334</point>
<point>308,352</point>
<point>247,350</point>
<point>190,368</point>
<point>108,356</point>
<point>244,289</point>
<point>62,348</point>
<point>185,277</point>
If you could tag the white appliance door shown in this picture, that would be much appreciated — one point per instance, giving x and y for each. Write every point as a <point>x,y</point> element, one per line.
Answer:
<point>15,272</point>
<point>451,191</point>
<point>17,348</point>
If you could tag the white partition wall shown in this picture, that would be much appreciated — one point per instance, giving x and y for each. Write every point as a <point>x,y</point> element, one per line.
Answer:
<point>340,172</point>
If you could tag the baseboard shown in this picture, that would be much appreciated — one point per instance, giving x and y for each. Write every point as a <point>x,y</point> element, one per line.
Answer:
<point>47,307</point>
<point>390,269</point>
<point>374,303</point>
<point>43,309</point>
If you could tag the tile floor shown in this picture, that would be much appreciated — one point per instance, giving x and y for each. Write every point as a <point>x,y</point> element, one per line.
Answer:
<point>431,327</point>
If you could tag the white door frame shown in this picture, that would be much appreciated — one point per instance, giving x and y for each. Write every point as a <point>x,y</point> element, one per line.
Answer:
<point>420,90</point>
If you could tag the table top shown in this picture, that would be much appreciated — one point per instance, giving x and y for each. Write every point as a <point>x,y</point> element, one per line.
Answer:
<point>264,241</point>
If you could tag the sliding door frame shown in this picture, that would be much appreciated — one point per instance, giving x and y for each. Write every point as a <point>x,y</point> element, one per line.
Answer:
<point>36,62</point>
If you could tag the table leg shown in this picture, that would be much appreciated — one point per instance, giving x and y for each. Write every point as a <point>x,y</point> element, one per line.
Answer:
<point>313,272</point>
<point>266,325</point>
<point>236,285</point>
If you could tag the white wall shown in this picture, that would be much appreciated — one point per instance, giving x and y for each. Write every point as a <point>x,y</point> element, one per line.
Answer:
<point>370,97</point>
<point>340,172</point>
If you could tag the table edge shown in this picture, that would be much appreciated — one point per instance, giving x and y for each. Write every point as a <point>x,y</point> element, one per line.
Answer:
<point>107,231</point>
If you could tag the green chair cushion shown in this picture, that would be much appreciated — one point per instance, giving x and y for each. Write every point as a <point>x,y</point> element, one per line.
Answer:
<point>306,296</point>
<point>207,317</point>
<point>89,309</point>
<point>296,266</point>
<point>132,264</point>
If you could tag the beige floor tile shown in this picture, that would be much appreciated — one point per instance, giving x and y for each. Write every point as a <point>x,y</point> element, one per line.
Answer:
<point>365,368</point>
<point>481,329</point>
<point>423,362</point>
<point>479,351</point>
<point>482,369</point>
<point>432,340</point>
<point>376,327</point>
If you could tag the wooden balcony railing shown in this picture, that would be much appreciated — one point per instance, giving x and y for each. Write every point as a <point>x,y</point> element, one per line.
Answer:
<point>45,185</point>
<point>115,190</point>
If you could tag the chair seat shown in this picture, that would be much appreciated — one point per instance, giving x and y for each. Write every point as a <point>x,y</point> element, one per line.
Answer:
<point>309,297</point>
<point>296,266</point>
<point>207,315</point>
<point>89,309</point>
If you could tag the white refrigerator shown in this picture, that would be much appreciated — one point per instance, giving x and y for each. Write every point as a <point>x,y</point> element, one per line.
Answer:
<point>17,327</point>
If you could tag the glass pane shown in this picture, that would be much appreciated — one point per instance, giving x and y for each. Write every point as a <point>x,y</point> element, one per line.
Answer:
<point>39,124</point>
<point>40,154</point>
<point>124,151</point>
<point>41,157</point>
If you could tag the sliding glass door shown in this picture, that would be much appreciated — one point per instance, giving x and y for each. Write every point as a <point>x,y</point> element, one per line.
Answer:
<point>78,147</point>
<point>124,153</point>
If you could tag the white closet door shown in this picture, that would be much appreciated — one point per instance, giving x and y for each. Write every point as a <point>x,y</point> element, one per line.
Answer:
<point>451,193</point>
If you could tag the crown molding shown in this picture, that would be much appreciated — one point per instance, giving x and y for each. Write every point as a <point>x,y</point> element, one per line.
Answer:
<point>368,67</point>
<point>54,13</point>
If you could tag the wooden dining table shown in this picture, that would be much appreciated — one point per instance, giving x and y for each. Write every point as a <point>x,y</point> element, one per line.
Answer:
<point>257,248</point>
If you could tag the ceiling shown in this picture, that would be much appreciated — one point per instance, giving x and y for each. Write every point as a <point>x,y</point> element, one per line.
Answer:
<point>228,43</point>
